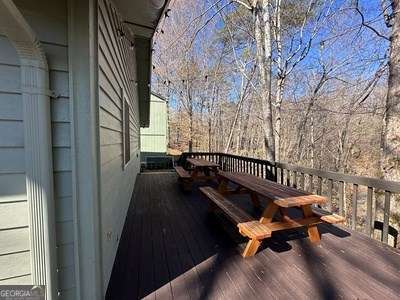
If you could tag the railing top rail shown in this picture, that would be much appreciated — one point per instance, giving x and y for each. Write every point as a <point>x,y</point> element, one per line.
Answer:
<point>391,186</point>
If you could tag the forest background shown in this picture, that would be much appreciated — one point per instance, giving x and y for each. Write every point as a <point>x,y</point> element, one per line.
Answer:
<point>313,83</point>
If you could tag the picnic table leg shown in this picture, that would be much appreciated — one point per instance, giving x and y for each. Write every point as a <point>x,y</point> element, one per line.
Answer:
<point>255,200</point>
<point>223,185</point>
<point>253,244</point>
<point>195,172</point>
<point>251,248</point>
<point>313,232</point>
<point>269,213</point>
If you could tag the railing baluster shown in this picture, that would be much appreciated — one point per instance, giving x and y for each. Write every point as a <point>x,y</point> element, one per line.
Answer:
<point>354,207</point>
<point>330,187</point>
<point>287,177</point>
<point>369,211</point>
<point>302,181</point>
<point>275,173</point>
<point>282,176</point>
<point>295,179</point>
<point>311,187</point>
<point>319,186</point>
<point>341,198</point>
<point>386,215</point>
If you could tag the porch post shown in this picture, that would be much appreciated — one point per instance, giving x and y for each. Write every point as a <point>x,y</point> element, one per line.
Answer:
<point>83,82</point>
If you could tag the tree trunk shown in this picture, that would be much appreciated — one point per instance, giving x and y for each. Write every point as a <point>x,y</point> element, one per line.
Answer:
<point>303,122</point>
<point>264,52</point>
<point>191,131</point>
<point>390,149</point>
<point>312,142</point>
<point>245,134</point>
<point>278,117</point>
<point>280,81</point>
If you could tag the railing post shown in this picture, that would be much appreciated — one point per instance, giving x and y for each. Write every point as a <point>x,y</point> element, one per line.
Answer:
<point>354,207</point>
<point>386,215</point>
<point>341,198</point>
<point>369,211</point>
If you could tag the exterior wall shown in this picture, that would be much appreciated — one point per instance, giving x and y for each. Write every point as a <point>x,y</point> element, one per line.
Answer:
<point>154,138</point>
<point>117,76</point>
<point>49,21</point>
<point>14,231</point>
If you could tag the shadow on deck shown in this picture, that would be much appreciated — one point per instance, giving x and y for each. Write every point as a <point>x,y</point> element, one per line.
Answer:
<point>171,248</point>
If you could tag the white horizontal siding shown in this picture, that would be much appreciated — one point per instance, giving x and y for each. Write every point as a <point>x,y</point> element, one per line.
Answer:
<point>12,160</point>
<point>11,106</point>
<point>116,73</point>
<point>13,241</point>
<point>20,279</point>
<point>10,79</point>
<point>14,231</point>
<point>13,215</point>
<point>14,265</point>
<point>12,133</point>
<point>8,55</point>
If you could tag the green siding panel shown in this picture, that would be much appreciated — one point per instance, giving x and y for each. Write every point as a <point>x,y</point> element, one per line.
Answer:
<point>153,139</point>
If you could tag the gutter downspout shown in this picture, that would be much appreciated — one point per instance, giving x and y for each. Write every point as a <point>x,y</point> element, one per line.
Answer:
<point>38,145</point>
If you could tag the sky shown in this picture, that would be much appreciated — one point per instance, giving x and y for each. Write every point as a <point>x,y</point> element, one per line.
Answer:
<point>360,45</point>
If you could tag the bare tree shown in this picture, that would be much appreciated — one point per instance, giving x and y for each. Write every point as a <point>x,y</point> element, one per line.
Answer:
<point>390,149</point>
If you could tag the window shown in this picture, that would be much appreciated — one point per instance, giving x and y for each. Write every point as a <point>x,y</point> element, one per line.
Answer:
<point>126,131</point>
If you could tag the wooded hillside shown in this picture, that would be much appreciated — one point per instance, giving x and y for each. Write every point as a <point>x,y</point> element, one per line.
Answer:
<point>313,83</point>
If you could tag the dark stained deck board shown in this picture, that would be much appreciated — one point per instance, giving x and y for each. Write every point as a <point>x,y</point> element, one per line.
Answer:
<point>172,249</point>
<point>179,231</point>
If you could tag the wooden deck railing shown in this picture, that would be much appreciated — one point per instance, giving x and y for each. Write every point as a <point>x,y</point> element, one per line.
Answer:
<point>344,192</point>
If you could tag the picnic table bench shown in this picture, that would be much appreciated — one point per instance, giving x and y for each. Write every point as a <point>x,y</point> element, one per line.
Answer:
<point>280,197</point>
<point>201,169</point>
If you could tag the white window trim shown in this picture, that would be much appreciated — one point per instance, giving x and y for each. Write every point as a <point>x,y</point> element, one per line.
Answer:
<point>125,162</point>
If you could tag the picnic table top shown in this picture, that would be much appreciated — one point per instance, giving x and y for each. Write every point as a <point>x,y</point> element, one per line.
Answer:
<point>198,162</point>
<point>284,196</point>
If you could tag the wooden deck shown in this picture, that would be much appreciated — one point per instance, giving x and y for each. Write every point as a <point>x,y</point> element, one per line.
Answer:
<point>171,248</point>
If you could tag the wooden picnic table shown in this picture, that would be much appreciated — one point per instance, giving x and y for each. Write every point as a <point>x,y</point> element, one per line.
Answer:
<point>202,166</point>
<point>281,198</point>
<point>200,170</point>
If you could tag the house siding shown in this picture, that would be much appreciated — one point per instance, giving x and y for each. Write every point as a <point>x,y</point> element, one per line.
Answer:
<point>49,20</point>
<point>154,138</point>
<point>117,76</point>
<point>14,229</point>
